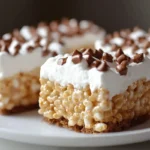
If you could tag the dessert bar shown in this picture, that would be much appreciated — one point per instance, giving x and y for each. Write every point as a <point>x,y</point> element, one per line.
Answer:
<point>23,51</point>
<point>94,91</point>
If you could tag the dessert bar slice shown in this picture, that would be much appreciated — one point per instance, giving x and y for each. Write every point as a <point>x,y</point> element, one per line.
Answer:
<point>22,52</point>
<point>93,91</point>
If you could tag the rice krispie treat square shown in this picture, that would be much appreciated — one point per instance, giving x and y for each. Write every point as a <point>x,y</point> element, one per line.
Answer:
<point>93,91</point>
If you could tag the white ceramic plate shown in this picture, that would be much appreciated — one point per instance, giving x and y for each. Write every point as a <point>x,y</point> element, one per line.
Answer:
<point>30,128</point>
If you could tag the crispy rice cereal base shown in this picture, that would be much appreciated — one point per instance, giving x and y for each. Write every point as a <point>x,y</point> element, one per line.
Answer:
<point>19,109</point>
<point>123,125</point>
<point>93,111</point>
<point>19,92</point>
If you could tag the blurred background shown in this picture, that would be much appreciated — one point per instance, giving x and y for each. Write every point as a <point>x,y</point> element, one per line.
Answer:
<point>110,14</point>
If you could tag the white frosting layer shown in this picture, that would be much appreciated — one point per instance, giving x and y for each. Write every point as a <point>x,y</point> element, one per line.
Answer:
<point>25,61</point>
<point>80,75</point>
<point>82,40</point>
<point>99,44</point>
<point>10,65</point>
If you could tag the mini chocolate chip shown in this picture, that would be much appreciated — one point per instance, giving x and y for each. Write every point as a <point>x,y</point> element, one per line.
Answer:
<point>61,42</point>
<point>129,42</point>
<point>88,58</point>
<point>141,39</point>
<point>33,31</point>
<point>3,47</point>
<point>65,21</point>
<point>61,61</point>
<point>76,52</point>
<point>121,58</point>
<point>54,53</point>
<point>136,28</point>
<point>54,26</point>
<point>18,36</point>
<point>146,45</point>
<point>98,54</point>
<point>116,34</point>
<point>135,48</point>
<point>138,58</point>
<point>82,50</point>
<point>114,47</point>
<point>45,52</point>
<point>109,37</point>
<point>124,63</point>
<point>122,68</point>
<point>42,24</point>
<point>37,39</point>
<point>30,48</point>
<point>15,50</point>
<point>76,57</point>
<point>107,57</point>
<point>95,63</point>
<point>119,52</point>
<point>146,52</point>
<point>88,52</point>
<point>106,41</point>
<point>103,66</point>
<point>125,32</point>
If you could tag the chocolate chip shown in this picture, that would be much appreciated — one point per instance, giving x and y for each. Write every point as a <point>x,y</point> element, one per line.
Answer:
<point>103,66</point>
<point>37,39</point>
<point>42,24</point>
<point>54,53</point>
<point>98,54</point>
<point>121,58</point>
<point>54,26</point>
<point>146,45</point>
<point>107,57</point>
<point>116,34</point>
<point>30,48</point>
<point>15,50</point>
<point>119,52</point>
<point>138,58</point>
<point>33,31</point>
<point>76,57</point>
<point>89,59</point>
<point>122,68</point>
<point>3,47</point>
<point>129,42</point>
<point>95,63</point>
<point>61,61</point>
<point>61,42</point>
<point>65,21</point>
<point>125,32</point>
<point>141,39</point>
<point>18,36</point>
<point>45,52</point>
<point>76,52</point>
<point>136,28</point>
<point>114,47</point>
<point>109,37</point>
<point>88,52</point>
<point>135,48</point>
<point>82,50</point>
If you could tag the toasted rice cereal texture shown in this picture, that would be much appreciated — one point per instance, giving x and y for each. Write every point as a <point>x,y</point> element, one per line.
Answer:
<point>86,111</point>
<point>20,90</point>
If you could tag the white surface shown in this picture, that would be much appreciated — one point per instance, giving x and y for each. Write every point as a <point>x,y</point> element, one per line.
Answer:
<point>30,128</point>
<point>80,75</point>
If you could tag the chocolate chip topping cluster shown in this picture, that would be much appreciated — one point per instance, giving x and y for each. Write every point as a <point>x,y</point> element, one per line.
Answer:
<point>141,42</point>
<point>55,30</point>
<point>102,61</point>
